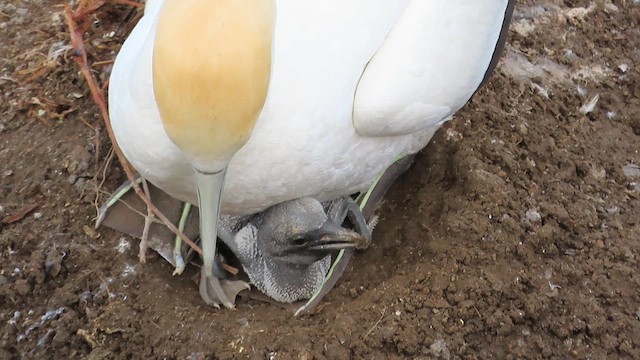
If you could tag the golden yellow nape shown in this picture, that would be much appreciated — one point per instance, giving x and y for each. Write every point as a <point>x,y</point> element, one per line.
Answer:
<point>211,70</point>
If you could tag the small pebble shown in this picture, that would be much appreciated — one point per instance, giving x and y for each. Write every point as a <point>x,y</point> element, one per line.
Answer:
<point>123,245</point>
<point>598,172</point>
<point>14,319</point>
<point>90,232</point>
<point>440,350</point>
<point>532,216</point>
<point>521,128</point>
<point>78,160</point>
<point>60,338</point>
<point>22,287</point>
<point>46,338</point>
<point>631,170</point>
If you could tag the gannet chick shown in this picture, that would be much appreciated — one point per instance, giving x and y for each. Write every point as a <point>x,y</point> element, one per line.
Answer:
<point>286,250</point>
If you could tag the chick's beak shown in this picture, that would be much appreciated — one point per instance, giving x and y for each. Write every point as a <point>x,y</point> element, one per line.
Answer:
<point>333,237</point>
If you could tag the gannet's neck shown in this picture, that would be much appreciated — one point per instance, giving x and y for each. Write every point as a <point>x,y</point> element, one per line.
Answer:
<point>289,283</point>
<point>286,282</point>
<point>211,69</point>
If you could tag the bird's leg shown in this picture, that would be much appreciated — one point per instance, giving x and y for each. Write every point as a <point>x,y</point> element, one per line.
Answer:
<point>177,247</point>
<point>226,233</point>
<point>214,290</point>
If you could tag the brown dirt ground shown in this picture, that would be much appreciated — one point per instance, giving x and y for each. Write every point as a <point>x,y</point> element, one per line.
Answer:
<point>516,234</point>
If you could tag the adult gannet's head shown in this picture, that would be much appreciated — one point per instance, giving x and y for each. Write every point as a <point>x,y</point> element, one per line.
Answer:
<point>211,70</point>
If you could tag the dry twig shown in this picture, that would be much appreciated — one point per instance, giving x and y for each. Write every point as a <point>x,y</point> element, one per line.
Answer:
<point>21,213</point>
<point>384,310</point>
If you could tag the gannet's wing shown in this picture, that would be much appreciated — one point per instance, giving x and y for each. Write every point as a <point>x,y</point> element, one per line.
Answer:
<point>430,64</point>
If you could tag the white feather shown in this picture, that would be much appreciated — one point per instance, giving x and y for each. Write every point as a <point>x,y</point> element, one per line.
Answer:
<point>305,142</point>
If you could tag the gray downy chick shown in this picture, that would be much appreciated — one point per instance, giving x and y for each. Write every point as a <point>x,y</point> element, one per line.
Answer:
<point>286,250</point>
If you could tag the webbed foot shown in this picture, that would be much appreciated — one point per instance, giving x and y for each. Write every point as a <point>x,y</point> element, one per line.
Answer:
<point>216,292</point>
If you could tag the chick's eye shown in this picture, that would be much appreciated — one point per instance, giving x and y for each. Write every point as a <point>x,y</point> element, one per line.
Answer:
<point>298,241</point>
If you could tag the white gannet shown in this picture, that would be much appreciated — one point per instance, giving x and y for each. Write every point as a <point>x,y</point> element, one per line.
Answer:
<point>354,85</point>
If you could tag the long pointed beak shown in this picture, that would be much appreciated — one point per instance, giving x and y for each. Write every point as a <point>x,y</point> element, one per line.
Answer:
<point>333,237</point>
<point>209,187</point>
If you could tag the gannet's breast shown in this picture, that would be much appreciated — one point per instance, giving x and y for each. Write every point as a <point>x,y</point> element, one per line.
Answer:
<point>312,139</point>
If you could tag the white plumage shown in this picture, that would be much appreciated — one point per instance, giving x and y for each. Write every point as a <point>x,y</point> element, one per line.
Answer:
<point>355,84</point>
